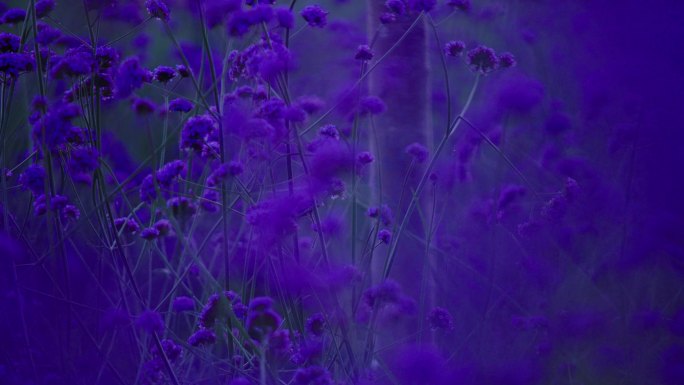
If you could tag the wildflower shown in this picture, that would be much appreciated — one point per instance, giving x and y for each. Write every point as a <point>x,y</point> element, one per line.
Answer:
<point>440,319</point>
<point>46,34</point>
<point>454,48</point>
<point>157,9</point>
<point>182,207</point>
<point>107,57</point>
<point>143,106</point>
<point>202,337</point>
<point>315,324</point>
<point>315,16</point>
<point>363,53</point>
<point>75,62</point>
<point>171,350</point>
<point>183,71</point>
<point>163,226</point>
<point>13,16</point>
<point>262,320</point>
<point>329,131</point>
<point>9,42</point>
<point>126,225</point>
<point>387,18</point>
<point>83,162</point>
<point>364,158</point>
<point>385,236</point>
<point>14,64</point>
<point>33,179</point>
<point>180,105</point>
<point>372,105</point>
<point>482,59</point>
<point>150,322</point>
<point>419,152</point>
<point>164,74</point>
<point>44,7</point>
<point>131,76</point>
<point>507,60</point>
<point>284,17</point>
<point>397,7</point>
<point>195,131</point>
<point>310,104</point>
<point>149,233</point>
<point>182,303</point>
<point>280,342</point>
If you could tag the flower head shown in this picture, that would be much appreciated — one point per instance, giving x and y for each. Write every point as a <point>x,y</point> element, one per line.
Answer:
<point>454,48</point>
<point>157,9</point>
<point>482,59</point>
<point>315,16</point>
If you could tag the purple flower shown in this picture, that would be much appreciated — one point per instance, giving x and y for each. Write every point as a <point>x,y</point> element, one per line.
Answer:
<point>131,76</point>
<point>182,303</point>
<point>385,236</point>
<point>180,105</point>
<point>195,131</point>
<point>83,162</point>
<point>172,350</point>
<point>315,324</point>
<point>315,16</point>
<point>9,42</point>
<point>44,7</point>
<point>150,322</point>
<point>507,60</point>
<point>164,74</point>
<point>440,319</point>
<point>183,71</point>
<point>372,105</point>
<point>397,7</point>
<point>46,34</point>
<point>13,16</point>
<point>202,337</point>
<point>261,320</point>
<point>126,225</point>
<point>363,53</point>
<point>364,158</point>
<point>284,17</point>
<point>482,59</point>
<point>157,9</point>
<point>419,152</point>
<point>163,226</point>
<point>143,106</point>
<point>149,233</point>
<point>14,64</point>
<point>454,48</point>
<point>33,179</point>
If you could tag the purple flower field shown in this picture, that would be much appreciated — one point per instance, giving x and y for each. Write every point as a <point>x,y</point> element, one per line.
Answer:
<point>341,192</point>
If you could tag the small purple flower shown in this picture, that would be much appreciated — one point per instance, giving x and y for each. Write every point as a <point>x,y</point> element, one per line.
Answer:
<point>157,9</point>
<point>397,7</point>
<point>482,59</point>
<point>13,16</point>
<point>194,133</point>
<point>419,152</point>
<point>385,236</point>
<point>284,17</point>
<point>183,303</point>
<point>372,105</point>
<point>202,337</point>
<point>126,225</point>
<point>142,106</point>
<point>454,48</point>
<point>33,179</point>
<point>150,322</point>
<point>164,74</point>
<point>9,42</point>
<point>44,7</point>
<point>149,233</point>
<point>183,71</point>
<point>507,60</point>
<point>312,375</point>
<point>180,105</point>
<point>163,226</point>
<point>315,16</point>
<point>440,319</point>
<point>364,158</point>
<point>329,131</point>
<point>315,324</point>
<point>363,53</point>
